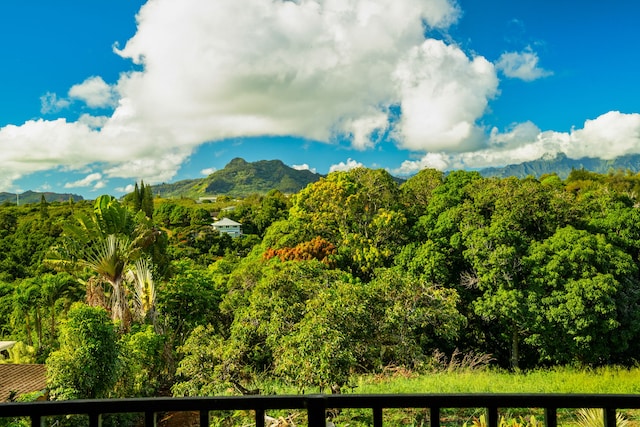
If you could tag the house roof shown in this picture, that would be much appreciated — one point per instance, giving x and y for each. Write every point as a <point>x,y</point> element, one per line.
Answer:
<point>21,379</point>
<point>6,345</point>
<point>225,221</point>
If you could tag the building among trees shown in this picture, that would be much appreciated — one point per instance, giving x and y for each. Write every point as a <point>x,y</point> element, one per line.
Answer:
<point>228,226</point>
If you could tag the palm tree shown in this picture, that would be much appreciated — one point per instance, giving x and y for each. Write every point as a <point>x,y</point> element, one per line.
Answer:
<point>107,243</point>
<point>140,276</point>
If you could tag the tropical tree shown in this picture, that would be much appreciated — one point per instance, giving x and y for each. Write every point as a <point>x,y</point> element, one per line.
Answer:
<point>585,298</point>
<point>105,244</point>
<point>86,365</point>
<point>357,211</point>
<point>502,217</point>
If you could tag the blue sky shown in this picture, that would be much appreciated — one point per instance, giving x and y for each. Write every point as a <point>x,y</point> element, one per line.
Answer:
<point>97,95</point>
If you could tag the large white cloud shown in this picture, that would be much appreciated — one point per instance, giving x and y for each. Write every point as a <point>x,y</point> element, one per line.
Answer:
<point>311,68</point>
<point>443,93</point>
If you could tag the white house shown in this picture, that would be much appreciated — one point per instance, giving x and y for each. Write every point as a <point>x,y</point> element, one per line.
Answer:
<point>229,226</point>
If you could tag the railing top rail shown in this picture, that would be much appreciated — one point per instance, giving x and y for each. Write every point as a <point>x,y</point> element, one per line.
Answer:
<point>105,406</point>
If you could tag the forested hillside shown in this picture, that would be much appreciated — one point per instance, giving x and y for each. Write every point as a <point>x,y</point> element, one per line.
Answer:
<point>353,274</point>
<point>240,178</point>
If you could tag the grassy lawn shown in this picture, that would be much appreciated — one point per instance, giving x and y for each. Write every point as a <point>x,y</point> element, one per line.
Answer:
<point>609,380</point>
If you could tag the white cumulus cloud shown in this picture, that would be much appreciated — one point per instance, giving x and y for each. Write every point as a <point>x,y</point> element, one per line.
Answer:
<point>94,179</point>
<point>51,103</point>
<point>207,171</point>
<point>126,189</point>
<point>316,69</point>
<point>303,167</point>
<point>443,93</point>
<point>522,65</point>
<point>94,92</point>
<point>608,136</point>
<point>345,166</point>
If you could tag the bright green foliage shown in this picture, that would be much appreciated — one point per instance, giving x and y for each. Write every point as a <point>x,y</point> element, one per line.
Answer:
<point>188,299</point>
<point>274,206</point>
<point>38,304</point>
<point>315,327</point>
<point>106,244</point>
<point>418,190</point>
<point>358,212</point>
<point>141,199</point>
<point>146,199</point>
<point>426,261</point>
<point>8,221</point>
<point>86,365</point>
<point>6,308</point>
<point>621,225</point>
<point>588,297</point>
<point>501,218</point>
<point>22,250</point>
<point>26,312</point>
<point>413,318</point>
<point>320,350</point>
<point>143,367</point>
<point>273,306</point>
<point>530,272</point>
<point>440,221</point>
<point>205,369</point>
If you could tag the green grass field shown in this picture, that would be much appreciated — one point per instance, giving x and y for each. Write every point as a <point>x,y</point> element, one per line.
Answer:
<point>607,380</point>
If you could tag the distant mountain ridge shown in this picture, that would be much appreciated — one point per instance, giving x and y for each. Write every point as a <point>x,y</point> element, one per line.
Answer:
<point>35,197</point>
<point>241,178</point>
<point>562,165</point>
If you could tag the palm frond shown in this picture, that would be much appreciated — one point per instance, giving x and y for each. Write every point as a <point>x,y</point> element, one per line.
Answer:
<point>109,257</point>
<point>141,277</point>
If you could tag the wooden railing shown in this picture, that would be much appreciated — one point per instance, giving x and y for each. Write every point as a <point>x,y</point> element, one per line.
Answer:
<point>317,405</point>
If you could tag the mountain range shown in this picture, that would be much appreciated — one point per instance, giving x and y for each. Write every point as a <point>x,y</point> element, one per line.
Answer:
<point>36,197</point>
<point>562,166</point>
<point>240,178</point>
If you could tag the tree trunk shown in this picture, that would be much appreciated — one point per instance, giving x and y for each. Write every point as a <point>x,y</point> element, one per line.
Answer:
<point>38,320</point>
<point>28,325</point>
<point>515,350</point>
<point>119,307</point>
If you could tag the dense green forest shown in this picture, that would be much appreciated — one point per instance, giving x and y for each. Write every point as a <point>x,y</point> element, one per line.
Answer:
<point>354,274</point>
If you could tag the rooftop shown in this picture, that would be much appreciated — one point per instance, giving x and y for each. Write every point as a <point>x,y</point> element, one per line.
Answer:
<point>21,379</point>
<point>225,221</point>
<point>6,345</point>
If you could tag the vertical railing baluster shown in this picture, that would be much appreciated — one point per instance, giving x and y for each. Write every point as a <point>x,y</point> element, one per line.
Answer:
<point>150,419</point>
<point>377,416</point>
<point>95,420</point>
<point>609,415</point>
<point>260,417</point>
<point>316,409</point>
<point>434,416</point>
<point>204,418</point>
<point>550,417</point>
<point>37,421</point>
<point>492,416</point>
